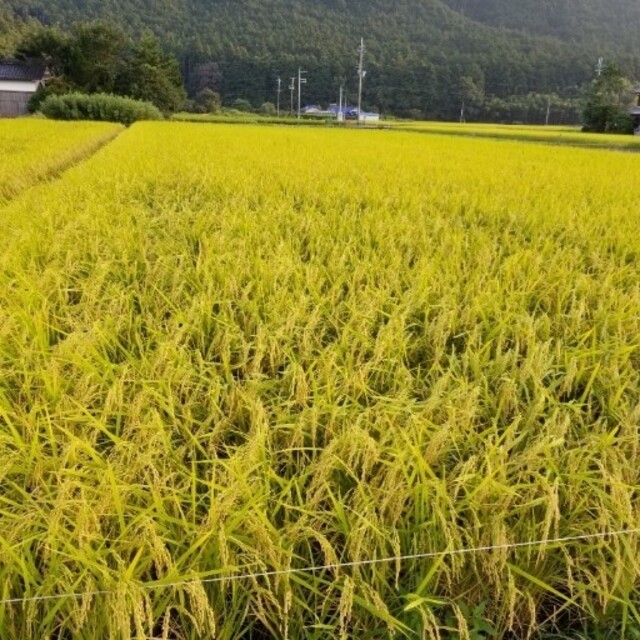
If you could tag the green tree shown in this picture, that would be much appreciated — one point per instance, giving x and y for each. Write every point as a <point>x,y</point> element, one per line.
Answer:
<point>207,101</point>
<point>12,30</point>
<point>49,44</point>
<point>96,50</point>
<point>470,94</point>
<point>607,103</point>
<point>54,47</point>
<point>152,75</point>
<point>268,109</point>
<point>241,105</point>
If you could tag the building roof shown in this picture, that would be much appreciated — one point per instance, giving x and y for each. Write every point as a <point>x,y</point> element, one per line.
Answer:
<point>22,70</point>
<point>635,111</point>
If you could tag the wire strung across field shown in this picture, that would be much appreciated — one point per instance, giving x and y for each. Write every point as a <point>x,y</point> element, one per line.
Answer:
<point>341,565</point>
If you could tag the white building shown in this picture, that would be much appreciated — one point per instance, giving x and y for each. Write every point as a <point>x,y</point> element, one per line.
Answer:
<point>635,113</point>
<point>366,117</point>
<point>19,80</point>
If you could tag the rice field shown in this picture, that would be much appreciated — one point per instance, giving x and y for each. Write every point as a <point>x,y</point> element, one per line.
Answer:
<point>230,351</point>
<point>31,150</point>
<point>557,135</point>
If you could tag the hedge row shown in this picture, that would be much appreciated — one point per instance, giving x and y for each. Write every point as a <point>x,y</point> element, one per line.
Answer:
<point>98,106</point>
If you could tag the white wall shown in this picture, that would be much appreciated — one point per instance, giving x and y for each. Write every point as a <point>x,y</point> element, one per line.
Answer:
<point>19,87</point>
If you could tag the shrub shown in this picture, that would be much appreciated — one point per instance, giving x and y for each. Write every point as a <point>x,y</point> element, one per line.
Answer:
<point>241,105</point>
<point>56,86</point>
<point>268,109</point>
<point>207,101</point>
<point>99,106</point>
<point>606,108</point>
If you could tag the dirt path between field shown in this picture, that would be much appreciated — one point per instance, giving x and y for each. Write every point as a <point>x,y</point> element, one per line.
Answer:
<point>66,162</point>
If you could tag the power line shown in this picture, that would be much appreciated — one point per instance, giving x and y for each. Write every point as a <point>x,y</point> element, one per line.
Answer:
<point>301,80</point>
<point>278,101</point>
<point>292,88</point>
<point>361,74</point>
<point>340,565</point>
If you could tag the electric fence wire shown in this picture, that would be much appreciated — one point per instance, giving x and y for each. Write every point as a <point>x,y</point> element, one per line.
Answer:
<point>336,566</point>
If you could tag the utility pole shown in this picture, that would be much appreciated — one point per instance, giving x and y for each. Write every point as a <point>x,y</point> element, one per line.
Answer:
<point>292,88</point>
<point>600,67</point>
<point>340,109</point>
<point>361,74</point>
<point>548,118</point>
<point>301,80</point>
<point>279,91</point>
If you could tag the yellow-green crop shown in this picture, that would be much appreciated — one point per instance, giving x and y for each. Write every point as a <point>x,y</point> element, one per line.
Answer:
<point>561,135</point>
<point>241,349</point>
<point>31,150</point>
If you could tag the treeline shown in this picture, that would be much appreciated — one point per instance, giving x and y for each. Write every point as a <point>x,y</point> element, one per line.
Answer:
<point>99,58</point>
<point>12,30</point>
<point>424,59</point>
<point>420,92</point>
<point>596,22</point>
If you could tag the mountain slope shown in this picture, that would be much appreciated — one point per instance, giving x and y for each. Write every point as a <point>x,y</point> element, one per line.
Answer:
<point>418,50</point>
<point>611,24</point>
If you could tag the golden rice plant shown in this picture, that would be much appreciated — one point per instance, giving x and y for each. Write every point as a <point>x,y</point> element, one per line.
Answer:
<point>32,149</point>
<point>242,350</point>
<point>560,135</point>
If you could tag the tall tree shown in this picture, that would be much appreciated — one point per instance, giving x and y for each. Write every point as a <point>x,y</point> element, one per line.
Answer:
<point>607,103</point>
<point>150,74</point>
<point>49,44</point>
<point>95,54</point>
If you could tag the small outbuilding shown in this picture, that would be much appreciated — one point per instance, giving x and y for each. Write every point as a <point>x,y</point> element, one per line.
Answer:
<point>366,116</point>
<point>19,80</point>
<point>635,113</point>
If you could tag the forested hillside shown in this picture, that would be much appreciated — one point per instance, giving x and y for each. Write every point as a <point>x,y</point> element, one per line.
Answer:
<point>11,30</point>
<point>597,23</point>
<point>424,56</point>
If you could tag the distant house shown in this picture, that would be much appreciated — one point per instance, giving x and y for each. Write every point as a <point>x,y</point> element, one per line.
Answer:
<point>351,113</point>
<point>19,80</point>
<point>635,113</point>
<point>311,110</point>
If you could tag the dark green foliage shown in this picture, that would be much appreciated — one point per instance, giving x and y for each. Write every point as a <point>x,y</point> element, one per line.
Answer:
<point>598,21</point>
<point>418,51</point>
<point>56,86</point>
<point>529,109</point>
<point>109,108</point>
<point>268,109</point>
<point>95,56</point>
<point>150,74</point>
<point>11,31</point>
<point>241,105</point>
<point>98,57</point>
<point>51,45</point>
<point>607,103</point>
<point>207,101</point>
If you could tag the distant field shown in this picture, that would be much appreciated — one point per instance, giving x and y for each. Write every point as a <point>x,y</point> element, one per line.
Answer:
<point>34,149</point>
<point>234,350</point>
<point>570,136</point>
<point>248,118</point>
<point>480,126</point>
<point>558,135</point>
